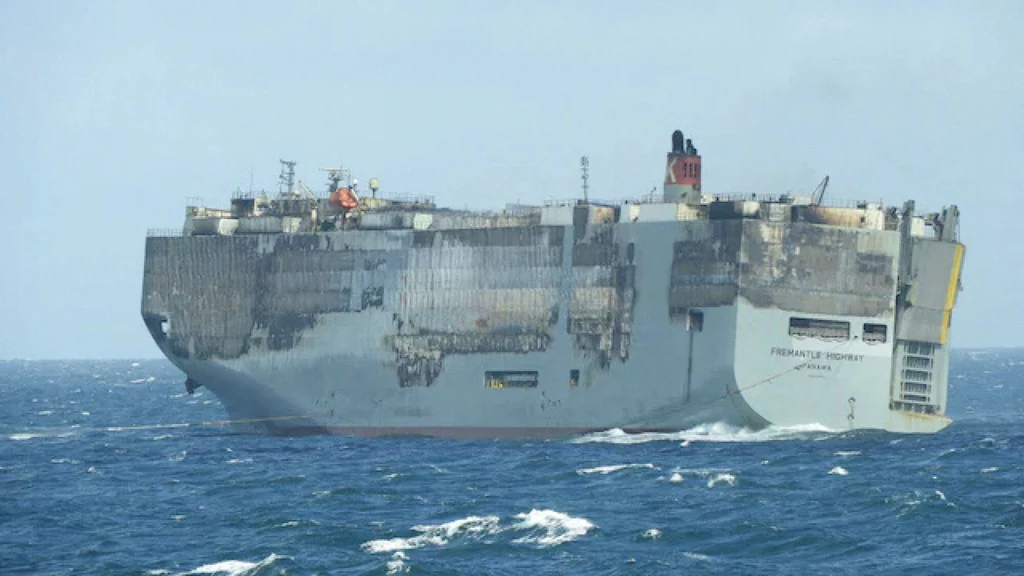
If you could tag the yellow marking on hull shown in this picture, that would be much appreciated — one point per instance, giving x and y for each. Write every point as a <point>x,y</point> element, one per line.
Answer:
<point>954,282</point>
<point>904,422</point>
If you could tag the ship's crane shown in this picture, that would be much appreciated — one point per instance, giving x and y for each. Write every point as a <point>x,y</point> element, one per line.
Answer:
<point>819,193</point>
<point>309,193</point>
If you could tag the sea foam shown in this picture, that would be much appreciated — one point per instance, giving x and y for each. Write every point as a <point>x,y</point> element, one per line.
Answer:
<point>612,468</point>
<point>723,478</point>
<point>550,527</point>
<point>436,535</point>
<point>234,567</point>
<point>397,563</point>
<point>717,432</point>
<point>540,528</point>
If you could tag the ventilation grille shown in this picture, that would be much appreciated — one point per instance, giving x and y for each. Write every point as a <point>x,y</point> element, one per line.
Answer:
<point>917,376</point>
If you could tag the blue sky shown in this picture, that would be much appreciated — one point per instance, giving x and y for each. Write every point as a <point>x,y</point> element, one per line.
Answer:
<point>112,113</point>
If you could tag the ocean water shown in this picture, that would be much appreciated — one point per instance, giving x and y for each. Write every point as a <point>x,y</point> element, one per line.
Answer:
<point>105,468</point>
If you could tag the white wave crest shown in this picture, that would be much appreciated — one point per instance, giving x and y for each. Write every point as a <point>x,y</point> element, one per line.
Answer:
<point>838,471</point>
<point>22,436</point>
<point>612,468</point>
<point>652,534</point>
<point>697,556</point>
<point>848,453</point>
<point>723,478</point>
<point>545,528</point>
<point>233,567</point>
<point>718,475</point>
<point>397,563</point>
<point>988,470</point>
<point>436,535</point>
<point>717,432</point>
<point>550,527</point>
<point>294,523</point>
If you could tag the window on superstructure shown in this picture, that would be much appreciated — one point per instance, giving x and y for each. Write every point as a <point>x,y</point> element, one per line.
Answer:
<point>875,333</point>
<point>821,329</point>
<point>695,321</point>
<point>510,379</point>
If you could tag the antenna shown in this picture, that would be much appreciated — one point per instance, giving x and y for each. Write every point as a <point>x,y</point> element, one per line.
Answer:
<point>286,181</point>
<point>335,176</point>
<point>585,168</point>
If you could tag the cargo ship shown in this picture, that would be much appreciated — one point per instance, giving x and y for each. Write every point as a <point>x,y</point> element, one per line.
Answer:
<point>350,312</point>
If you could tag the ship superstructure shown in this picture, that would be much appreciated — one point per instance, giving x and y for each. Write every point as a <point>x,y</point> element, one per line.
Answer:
<point>353,313</point>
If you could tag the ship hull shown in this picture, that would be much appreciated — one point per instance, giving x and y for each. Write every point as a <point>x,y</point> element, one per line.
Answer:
<point>318,391</point>
<point>548,331</point>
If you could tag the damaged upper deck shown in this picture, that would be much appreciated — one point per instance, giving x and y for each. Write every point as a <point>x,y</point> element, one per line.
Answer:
<point>261,275</point>
<point>296,209</point>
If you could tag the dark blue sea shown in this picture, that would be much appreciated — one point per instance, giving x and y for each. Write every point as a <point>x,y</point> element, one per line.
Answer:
<point>106,468</point>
